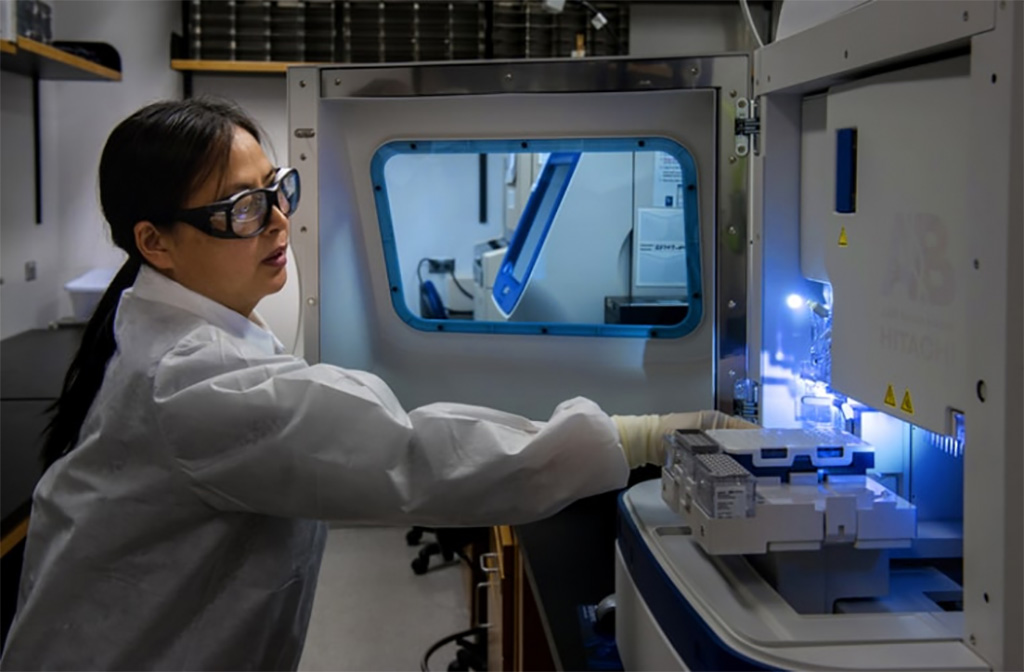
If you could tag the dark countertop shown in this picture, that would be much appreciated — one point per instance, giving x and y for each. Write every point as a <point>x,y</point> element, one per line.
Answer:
<point>570,561</point>
<point>33,363</point>
<point>32,368</point>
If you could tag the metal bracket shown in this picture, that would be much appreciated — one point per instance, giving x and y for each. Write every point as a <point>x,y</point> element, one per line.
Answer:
<point>748,126</point>
<point>483,620</point>
<point>488,568</point>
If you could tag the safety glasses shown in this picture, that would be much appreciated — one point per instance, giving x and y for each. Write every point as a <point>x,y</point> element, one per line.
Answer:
<point>247,213</point>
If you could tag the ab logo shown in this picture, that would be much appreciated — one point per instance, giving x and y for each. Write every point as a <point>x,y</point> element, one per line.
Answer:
<point>919,266</point>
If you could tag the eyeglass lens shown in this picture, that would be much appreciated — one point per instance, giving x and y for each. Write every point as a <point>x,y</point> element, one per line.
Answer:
<point>250,213</point>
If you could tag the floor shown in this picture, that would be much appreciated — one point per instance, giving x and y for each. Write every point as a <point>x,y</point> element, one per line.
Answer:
<point>372,613</point>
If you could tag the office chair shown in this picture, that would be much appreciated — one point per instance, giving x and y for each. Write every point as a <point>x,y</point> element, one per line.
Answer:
<point>431,305</point>
<point>449,542</point>
<point>471,655</point>
<point>471,651</point>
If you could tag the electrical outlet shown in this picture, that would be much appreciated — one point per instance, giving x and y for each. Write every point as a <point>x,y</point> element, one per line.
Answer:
<point>441,265</point>
<point>30,271</point>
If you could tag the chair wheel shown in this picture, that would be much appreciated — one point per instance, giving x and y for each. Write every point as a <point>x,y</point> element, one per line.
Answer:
<point>448,555</point>
<point>413,537</point>
<point>420,565</point>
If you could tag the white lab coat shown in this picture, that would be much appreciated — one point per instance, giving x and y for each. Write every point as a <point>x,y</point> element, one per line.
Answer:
<point>184,530</point>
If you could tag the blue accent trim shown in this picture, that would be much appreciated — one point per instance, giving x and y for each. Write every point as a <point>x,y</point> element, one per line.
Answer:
<point>691,637</point>
<point>846,170</point>
<point>557,174</point>
<point>691,213</point>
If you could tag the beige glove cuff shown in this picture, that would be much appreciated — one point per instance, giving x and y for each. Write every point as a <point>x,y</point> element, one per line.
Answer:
<point>642,436</point>
<point>639,437</point>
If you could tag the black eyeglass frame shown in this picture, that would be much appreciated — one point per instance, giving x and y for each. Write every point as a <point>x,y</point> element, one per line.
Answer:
<point>201,217</point>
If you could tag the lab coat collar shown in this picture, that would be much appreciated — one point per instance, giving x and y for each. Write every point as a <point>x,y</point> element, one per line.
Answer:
<point>150,285</point>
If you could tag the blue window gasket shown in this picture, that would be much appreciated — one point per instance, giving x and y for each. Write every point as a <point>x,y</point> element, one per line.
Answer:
<point>593,145</point>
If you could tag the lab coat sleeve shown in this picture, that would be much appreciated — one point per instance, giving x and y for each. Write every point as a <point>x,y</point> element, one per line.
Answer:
<point>280,437</point>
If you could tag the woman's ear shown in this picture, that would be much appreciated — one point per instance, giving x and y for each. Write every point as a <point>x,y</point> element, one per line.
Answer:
<point>154,245</point>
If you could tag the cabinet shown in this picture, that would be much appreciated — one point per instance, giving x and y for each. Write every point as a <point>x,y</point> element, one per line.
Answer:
<point>499,566</point>
<point>32,369</point>
<point>516,638</point>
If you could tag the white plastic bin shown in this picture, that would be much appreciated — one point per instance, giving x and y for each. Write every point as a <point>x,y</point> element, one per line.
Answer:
<point>86,291</point>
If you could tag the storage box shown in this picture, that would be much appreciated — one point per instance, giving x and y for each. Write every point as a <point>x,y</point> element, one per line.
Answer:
<point>724,488</point>
<point>679,475</point>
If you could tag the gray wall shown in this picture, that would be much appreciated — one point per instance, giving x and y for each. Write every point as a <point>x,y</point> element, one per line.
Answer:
<point>23,305</point>
<point>693,28</point>
<point>435,211</point>
<point>75,119</point>
<point>264,98</point>
<point>585,258</point>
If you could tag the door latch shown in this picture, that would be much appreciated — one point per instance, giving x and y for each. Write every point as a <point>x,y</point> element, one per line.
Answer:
<point>748,126</point>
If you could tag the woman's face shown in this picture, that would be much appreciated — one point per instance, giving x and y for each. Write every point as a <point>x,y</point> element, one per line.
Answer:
<point>236,273</point>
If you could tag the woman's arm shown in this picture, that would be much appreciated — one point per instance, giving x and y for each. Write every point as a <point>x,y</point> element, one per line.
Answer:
<point>280,437</point>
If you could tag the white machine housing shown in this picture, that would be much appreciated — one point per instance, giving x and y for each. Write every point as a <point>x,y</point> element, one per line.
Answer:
<point>339,116</point>
<point>680,608</point>
<point>926,281</point>
<point>926,276</point>
<point>483,301</point>
<point>797,508</point>
<point>932,253</point>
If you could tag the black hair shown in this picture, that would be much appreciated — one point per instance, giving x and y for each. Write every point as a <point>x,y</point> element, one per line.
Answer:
<point>151,163</point>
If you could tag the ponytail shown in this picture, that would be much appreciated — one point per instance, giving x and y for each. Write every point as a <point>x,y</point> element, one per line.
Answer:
<point>150,164</point>
<point>85,375</point>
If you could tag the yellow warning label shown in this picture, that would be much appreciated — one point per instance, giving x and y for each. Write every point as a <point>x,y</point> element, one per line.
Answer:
<point>908,405</point>
<point>843,242</point>
<point>890,396</point>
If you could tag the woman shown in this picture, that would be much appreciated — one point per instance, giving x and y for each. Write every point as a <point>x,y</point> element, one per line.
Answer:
<point>191,459</point>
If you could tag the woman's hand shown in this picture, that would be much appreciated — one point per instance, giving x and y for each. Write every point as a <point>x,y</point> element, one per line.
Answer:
<point>642,436</point>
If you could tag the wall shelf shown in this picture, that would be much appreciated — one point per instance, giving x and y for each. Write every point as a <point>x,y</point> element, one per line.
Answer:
<point>232,67</point>
<point>35,59</point>
<point>58,61</point>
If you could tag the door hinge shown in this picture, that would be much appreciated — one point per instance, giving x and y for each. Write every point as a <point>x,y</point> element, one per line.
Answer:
<point>748,126</point>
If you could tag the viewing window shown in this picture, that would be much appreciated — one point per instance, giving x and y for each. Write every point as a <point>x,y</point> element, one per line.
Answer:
<point>560,237</point>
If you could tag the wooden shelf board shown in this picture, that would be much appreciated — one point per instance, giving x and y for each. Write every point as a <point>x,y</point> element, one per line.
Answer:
<point>236,67</point>
<point>14,537</point>
<point>8,47</point>
<point>28,57</point>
